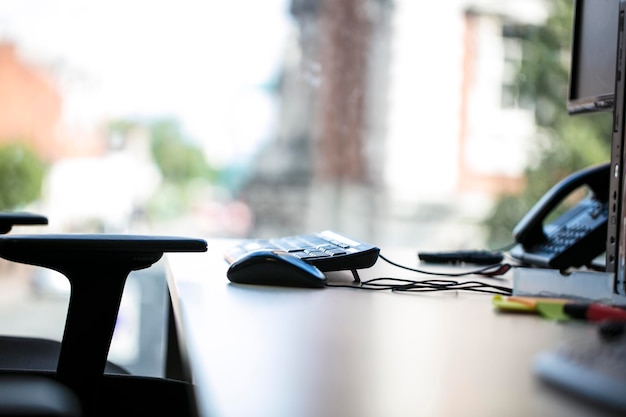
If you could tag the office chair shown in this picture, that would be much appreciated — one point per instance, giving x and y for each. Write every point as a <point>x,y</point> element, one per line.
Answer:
<point>73,377</point>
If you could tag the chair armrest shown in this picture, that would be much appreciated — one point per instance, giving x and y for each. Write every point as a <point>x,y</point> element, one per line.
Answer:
<point>96,266</point>
<point>10,219</point>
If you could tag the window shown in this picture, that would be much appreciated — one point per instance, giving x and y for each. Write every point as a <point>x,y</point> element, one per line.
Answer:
<point>381,119</point>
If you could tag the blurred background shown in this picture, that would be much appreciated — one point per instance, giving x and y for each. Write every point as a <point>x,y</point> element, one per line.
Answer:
<point>429,126</point>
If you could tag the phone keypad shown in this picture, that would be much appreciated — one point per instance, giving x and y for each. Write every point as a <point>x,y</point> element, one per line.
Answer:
<point>564,238</point>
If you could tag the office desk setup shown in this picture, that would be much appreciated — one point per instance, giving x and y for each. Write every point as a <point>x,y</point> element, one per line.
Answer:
<point>256,351</point>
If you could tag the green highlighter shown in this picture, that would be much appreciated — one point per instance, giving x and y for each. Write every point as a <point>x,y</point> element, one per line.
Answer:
<point>549,308</point>
<point>552,310</point>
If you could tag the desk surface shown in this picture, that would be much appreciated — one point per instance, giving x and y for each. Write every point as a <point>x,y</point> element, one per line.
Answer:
<point>336,352</point>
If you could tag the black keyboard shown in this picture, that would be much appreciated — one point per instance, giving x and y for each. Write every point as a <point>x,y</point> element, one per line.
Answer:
<point>327,250</point>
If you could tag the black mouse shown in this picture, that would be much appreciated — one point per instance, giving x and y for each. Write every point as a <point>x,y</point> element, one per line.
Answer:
<point>268,267</point>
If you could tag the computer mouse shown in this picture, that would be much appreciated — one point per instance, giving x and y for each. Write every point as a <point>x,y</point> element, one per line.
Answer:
<point>270,267</point>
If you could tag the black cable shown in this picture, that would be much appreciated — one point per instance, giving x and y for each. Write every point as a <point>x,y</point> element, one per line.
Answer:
<point>435,283</point>
<point>474,286</point>
<point>425,286</point>
<point>430,285</point>
<point>489,270</point>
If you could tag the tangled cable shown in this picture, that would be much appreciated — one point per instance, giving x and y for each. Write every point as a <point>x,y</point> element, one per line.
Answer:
<point>429,285</point>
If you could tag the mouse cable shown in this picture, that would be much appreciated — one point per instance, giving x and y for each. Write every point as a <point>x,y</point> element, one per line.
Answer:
<point>400,284</point>
<point>431,285</point>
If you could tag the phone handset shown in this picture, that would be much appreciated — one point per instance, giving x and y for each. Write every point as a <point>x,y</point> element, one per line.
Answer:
<point>530,229</point>
<point>577,236</point>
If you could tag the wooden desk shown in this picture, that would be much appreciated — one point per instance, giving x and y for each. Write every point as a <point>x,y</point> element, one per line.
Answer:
<point>283,352</point>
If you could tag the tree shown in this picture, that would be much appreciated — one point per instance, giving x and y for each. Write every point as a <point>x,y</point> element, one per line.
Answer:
<point>21,176</point>
<point>178,159</point>
<point>184,169</point>
<point>563,143</point>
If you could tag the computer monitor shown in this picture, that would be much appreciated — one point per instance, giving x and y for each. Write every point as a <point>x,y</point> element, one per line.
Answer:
<point>616,239</point>
<point>593,56</point>
<point>594,87</point>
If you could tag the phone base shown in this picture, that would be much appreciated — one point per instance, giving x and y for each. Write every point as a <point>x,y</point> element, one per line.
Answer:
<point>584,285</point>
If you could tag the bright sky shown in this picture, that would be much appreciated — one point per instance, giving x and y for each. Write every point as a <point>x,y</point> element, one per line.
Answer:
<point>196,59</point>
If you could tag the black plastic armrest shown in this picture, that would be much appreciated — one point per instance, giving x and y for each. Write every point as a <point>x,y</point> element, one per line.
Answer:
<point>97,266</point>
<point>10,219</point>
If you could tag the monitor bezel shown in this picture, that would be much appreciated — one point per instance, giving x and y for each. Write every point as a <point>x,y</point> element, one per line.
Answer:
<point>590,103</point>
